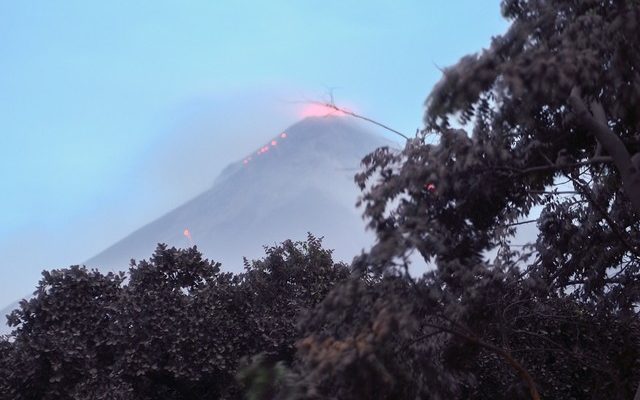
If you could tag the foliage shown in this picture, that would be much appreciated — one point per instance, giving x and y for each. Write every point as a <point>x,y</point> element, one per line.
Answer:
<point>174,327</point>
<point>393,338</point>
<point>549,130</point>
<point>265,378</point>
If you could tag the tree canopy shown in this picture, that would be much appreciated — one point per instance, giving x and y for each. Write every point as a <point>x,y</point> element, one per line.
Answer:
<point>547,128</point>
<point>174,327</point>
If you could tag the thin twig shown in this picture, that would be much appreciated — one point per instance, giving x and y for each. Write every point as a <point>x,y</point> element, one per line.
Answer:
<point>553,192</point>
<point>529,221</point>
<point>614,227</point>
<point>362,117</point>
<point>554,167</point>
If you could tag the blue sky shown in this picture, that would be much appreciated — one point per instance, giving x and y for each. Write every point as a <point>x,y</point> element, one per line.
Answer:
<point>112,113</point>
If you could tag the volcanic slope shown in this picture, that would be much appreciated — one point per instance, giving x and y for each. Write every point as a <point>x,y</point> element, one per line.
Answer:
<point>299,181</point>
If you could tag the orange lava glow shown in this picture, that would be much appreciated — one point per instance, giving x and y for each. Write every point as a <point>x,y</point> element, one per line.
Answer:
<point>319,110</point>
<point>187,234</point>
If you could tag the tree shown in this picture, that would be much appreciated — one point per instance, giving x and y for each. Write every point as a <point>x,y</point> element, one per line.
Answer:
<point>64,340</point>
<point>549,121</point>
<point>174,327</point>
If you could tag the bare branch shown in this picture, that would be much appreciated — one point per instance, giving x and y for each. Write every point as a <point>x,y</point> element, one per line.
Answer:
<point>353,114</point>
<point>529,221</point>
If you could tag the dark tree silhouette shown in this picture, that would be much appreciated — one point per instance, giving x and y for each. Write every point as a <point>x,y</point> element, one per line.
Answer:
<point>174,327</point>
<point>548,120</point>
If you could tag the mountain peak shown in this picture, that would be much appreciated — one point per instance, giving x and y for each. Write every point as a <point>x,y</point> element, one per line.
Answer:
<point>326,135</point>
<point>299,181</point>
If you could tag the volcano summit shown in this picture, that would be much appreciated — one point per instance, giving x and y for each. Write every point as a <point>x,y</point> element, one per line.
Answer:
<point>299,181</point>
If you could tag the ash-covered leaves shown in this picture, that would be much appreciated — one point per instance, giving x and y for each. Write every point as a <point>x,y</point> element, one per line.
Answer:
<point>174,327</point>
<point>452,195</point>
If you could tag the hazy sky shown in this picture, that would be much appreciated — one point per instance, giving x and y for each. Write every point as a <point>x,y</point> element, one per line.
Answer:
<point>114,112</point>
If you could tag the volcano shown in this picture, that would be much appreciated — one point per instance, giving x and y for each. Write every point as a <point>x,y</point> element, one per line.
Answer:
<point>299,181</point>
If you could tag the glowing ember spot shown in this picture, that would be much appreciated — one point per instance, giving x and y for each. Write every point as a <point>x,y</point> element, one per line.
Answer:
<point>320,110</point>
<point>273,143</point>
<point>265,149</point>
<point>187,234</point>
<point>430,187</point>
<point>283,135</point>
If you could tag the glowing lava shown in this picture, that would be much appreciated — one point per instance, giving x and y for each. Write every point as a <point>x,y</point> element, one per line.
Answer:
<point>187,234</point>
<point>320,110</point>
<point>265,148</point>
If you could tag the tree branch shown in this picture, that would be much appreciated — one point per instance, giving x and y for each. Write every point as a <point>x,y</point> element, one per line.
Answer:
<point>529,221</point>
<point>596,124</point>
<point>554,167</point>
<point>605,215</point>
<point>351,113</point>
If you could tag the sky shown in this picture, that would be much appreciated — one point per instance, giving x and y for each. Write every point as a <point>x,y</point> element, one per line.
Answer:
<point>113,113</point>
